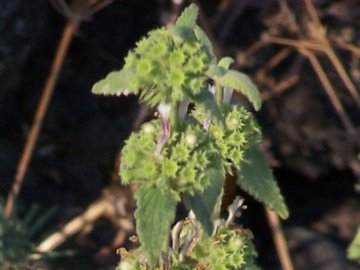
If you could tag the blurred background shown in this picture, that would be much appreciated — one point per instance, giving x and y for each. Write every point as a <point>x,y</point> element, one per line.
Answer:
<point>303,55</point>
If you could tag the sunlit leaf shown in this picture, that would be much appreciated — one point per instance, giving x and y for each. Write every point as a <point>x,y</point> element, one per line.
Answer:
<point>204,40</point>
<point>154,214</point>
<point>188,17</point>
<point>115,83</point>
<point>241,83</point>
<point>353,251</point>
<point>225,62</point>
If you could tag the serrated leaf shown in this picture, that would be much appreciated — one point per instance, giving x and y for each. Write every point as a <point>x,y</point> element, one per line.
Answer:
<point>225,62</point>
<point>115,83</point>
<point>188,17</point>
<point>154,215</point>
<point>206,205</point>
<point>241,83</point>
<point>256,177</point>
<point>353,251</point>
<point>204,40</point>
<point>205,101</point>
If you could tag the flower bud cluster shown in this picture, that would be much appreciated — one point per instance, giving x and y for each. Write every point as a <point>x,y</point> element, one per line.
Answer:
<point>240,133</point>
<point>168,65</point>
<point>184,162</point>
<point>229,249</point>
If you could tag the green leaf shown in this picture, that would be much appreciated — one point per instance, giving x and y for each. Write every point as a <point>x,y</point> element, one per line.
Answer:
<point>255,177</point>
<point>211,194</point>
<point>204,40</point>
<point>241,83</point>
<point>206,102</point>
<point>203,214</point>
<point>206,205</point>
<point>225,62</point>
<point>115,83</point>
<point>154,215</point>
<point>188,17</point>
<point>353,251</point>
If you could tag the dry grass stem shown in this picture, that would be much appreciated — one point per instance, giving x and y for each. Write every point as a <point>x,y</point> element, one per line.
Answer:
<point>279,240</point>
<point>86,8</point>
<point>48,90</point>
<point>111,205</point>
<point>329,89</point>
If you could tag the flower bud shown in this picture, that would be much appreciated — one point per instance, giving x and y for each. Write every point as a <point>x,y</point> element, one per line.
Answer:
<point>190,139</point>
<point>148,128</point>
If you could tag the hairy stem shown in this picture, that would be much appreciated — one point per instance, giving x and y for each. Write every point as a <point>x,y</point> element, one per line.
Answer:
<point>164,137</point>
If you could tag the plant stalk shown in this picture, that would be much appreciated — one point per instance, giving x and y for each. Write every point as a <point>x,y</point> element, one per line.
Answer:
<point>219,94</point>
<point>67,36</point>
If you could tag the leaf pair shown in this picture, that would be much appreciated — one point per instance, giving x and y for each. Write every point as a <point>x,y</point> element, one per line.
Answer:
<point>234,80</point>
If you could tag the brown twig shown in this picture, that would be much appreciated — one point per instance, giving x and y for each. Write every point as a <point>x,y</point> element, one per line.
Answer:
<point>113,203</point>
<point>48,90</point>
<point>278,58</point>
<point>343,74</point>
<point>78,11</point>
<point>319,33</point>
<point>93,212</point>
<point>279,240</point>
<point>308,44</point>
<point>355,50</point>
<point>280,87</point>
<point>313,13</point>
<point>339,109</point>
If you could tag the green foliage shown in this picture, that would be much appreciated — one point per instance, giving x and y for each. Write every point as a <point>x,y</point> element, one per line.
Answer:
<point>153,226</point>
<point>353,251</point>
<point>206,104</point>
<point>239,133</point>
<point>188,17</point>
<point>18,238</point>
<point>234,80</point>
<point>228,248</point>
<point>186,157</point>
<point>205,204</point>
<point>189,161</point>
<point>255,176</point>
<point>166,66</point>
<point>240,82</point>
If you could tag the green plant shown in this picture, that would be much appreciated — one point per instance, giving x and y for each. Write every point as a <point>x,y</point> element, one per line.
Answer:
<point>353,251</point>
<point>18,238</point>
<point>185,156</point>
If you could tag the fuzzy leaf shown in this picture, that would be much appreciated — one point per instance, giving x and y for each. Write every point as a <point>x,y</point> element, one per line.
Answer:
<point>188,17</point>
<point>115,83</point>
<point>353,251</point>
<point>241,83</point>
<point>205,204</point>
<point>211,194</point>
<point>204,40</point>
<point>196,203</point>
<point>206,102</point>
<point>154,214</point>
<point>225,62</point>
<point>255,177</point>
